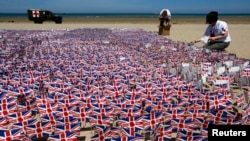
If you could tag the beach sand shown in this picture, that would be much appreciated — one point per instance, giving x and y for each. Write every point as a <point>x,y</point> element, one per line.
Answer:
<point>183,29</point>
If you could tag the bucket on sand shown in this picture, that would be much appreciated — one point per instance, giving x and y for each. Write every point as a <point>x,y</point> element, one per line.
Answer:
<point>165,30</point>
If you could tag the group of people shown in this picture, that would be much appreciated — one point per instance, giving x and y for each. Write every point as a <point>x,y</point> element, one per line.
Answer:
<point>216,35</point>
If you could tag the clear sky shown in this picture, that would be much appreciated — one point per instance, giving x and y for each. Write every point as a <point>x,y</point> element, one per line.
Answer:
<point>126,6</point>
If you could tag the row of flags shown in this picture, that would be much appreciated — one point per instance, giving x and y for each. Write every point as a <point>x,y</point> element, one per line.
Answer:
<point>124,82</point>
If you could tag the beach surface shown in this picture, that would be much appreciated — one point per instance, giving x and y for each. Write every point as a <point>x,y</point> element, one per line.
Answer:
<point>183,29</point>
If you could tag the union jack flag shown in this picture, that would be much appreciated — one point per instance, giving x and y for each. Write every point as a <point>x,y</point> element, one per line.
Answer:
<point>19,116</point>
<point>175,113</point>
<point>240,100</point>
<point>49,117</point>
<point>82,96</point>
<point>189,97</point>
<point>151,120</point>
<point>23,90</point>
<point>102,133</point>
<point>161,130</point>
<point>218,102</point>
<point>130,131</point>
<point>197,104</point>
<point>68,102</point>
<point>191,138</point>
<point>163,138</point>
<point>100,106</point>
<point>104,111</point>
<point>82,113</point>
<point>151,100</point>
<point>229,114</point>
<point>130,112</point>
<point>113,132</point>
<point>36,129</point>
<point>67,127</point>
<point>99,120</point>
<point>118,107</point>
<point>46,126</point>
<point>180,91</point>
<point>156,106</point>
<point>100,137</point>
<point>224,88</point>
<point>196,113</point>
<point>41,99</point>
<point>13,134</point>
<point>121,100</point>
<point>183,123</point>
<point>66,119</point>
<point>149,94</point>
<point>7,100</point>
<point>164,97</point>
<point>64,111</point>
<point>135,121</point>
<point>98,98</point>
<point>231,121</point>
<point>85,102</point>
<point>3,123</point>
<point>37,136</point>
<point>203,93</point>
<point>7,109</point>
<point>245,72</point>
<point>215,116</point>
<point>23,124</point>
<point>203,122</point>
<point>245,114</point>
<point>52,97</point>
<point>133,99</point>
<point>48,108</point>
<point>101,129</point>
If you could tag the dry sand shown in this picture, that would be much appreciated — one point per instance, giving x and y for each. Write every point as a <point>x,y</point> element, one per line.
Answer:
<point>183,29</point>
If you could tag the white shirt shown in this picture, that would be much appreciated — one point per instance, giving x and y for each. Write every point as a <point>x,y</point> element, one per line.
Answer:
<point>219,28</point>
<point>168,13</point>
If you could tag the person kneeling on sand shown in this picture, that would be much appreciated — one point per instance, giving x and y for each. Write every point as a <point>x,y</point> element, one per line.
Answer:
<point>216,36</point>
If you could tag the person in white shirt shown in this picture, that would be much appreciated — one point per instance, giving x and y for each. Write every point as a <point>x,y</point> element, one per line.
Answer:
<point>165,16</point>
<point>216,36</point>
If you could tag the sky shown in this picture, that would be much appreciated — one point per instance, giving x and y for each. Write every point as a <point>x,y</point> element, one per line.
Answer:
<point>126,6</point>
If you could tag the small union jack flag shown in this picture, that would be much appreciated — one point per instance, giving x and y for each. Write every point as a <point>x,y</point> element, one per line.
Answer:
<point>67,127</point>
<point>19,116</point>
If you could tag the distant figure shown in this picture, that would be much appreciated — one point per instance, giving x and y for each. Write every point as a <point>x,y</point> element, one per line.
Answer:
<point>216,36</point>
<point>165,17</point>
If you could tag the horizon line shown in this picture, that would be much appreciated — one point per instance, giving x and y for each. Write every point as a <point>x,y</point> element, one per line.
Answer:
<point>126,12</point>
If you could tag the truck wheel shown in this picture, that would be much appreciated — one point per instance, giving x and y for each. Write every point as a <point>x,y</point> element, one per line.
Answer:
<point>58,21</point>
<point>40,21</point>
<point>37,21</point>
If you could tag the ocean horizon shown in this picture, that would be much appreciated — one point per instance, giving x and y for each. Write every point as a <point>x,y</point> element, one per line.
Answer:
<point>127,15</point>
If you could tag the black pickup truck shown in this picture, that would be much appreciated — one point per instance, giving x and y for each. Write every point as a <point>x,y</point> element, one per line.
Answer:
<point>40,15</point>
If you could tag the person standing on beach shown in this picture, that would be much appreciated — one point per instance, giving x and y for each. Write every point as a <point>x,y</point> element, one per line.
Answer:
<point>164,17</point>
<point>216,36</point>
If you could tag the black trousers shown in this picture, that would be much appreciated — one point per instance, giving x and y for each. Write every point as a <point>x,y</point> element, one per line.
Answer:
<point>163,20</point>
<point>216,45</point>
